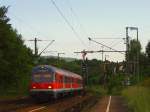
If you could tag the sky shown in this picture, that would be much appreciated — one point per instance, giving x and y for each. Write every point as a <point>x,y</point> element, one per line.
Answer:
<point>88,18</point>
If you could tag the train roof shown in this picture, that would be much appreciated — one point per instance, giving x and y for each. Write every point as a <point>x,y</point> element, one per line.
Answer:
<point>58,70</point>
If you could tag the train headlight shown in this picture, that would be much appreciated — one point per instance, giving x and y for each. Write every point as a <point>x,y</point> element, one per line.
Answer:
<point>34,87</point>
<point>49,87</point>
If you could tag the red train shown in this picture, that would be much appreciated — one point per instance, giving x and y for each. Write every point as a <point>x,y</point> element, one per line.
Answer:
<point>50,81</point>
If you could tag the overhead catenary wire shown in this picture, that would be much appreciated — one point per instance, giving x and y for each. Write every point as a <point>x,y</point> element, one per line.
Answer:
<point>116,43</point>
<point>108,38</point>
<point>68,23</point>
<point>46,47</point>
<point>77,18</point>
<point>113,43</point>
<point>105,45</point>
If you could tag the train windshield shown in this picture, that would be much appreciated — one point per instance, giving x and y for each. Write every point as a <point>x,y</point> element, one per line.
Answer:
<point>42,77</point>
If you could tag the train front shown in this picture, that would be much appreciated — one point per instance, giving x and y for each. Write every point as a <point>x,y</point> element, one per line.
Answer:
<point>41,81</point>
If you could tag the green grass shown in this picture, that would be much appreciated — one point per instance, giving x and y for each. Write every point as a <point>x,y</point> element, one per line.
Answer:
<point>138,98</point>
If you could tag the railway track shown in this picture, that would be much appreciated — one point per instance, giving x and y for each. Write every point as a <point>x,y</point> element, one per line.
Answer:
<point>69,104</point>
<point>110,104</point>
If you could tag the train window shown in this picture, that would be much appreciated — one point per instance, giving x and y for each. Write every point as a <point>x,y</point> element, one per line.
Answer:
<point>37,75</point>
<point>74,80</point>
<point>61,79</point>
<point>57,78</point>
<point>66,79</point>
<point>42,77</point>
<point>69,79</point>
<point>47,75</point>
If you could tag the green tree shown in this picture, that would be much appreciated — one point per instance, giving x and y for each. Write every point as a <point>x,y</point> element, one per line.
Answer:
<point>15,57</point>
<point>148,50</point>
<point>135,47</point>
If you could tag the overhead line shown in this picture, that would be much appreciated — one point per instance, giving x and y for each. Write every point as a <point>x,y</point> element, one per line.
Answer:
<point>114,44</point>
<point>68,23</point>
<point>104,45</point>
<point>46,47</point>
<point>77,18</point>
<point>108,38</point>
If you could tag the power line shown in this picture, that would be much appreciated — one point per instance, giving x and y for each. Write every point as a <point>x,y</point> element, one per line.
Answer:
<point>105,45</point>
<point>77,18</point>
<point>116,43</point>
<point>68,23</point>
<point>108,38</point>
<point>46,47</point>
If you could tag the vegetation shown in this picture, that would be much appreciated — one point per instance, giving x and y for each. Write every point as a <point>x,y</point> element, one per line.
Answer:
<point>16,62</point>
<point>96,90</point>
<point>115,84</point>
<point>138,97</point>
<point>15,58</point>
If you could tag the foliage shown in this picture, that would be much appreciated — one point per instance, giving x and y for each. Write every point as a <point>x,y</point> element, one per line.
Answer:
<point>135,47</point>
<point>144,63</point>
<point>148,50</point>
<point>96,90</point>
<point>138,98</point>
<point>15,57</point>
<point>94,71</point>
<point>115,83</point>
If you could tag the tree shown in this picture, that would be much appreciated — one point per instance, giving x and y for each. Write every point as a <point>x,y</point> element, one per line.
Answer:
<point>135,47</point>
<point>148,50</point>
<point>15,57</point>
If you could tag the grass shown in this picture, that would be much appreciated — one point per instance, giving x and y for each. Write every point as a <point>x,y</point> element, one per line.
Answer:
<point>138,97</point>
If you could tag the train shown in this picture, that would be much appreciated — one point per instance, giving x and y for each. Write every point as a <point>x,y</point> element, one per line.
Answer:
<point>50,81</point>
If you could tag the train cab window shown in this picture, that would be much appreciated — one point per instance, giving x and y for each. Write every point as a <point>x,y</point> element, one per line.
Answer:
<point>42,77</point>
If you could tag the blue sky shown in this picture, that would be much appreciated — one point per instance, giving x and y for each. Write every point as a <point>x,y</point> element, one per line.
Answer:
<point>92,18</point>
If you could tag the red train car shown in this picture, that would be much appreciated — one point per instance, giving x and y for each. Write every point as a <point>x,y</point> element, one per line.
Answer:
<point>50,81</point>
